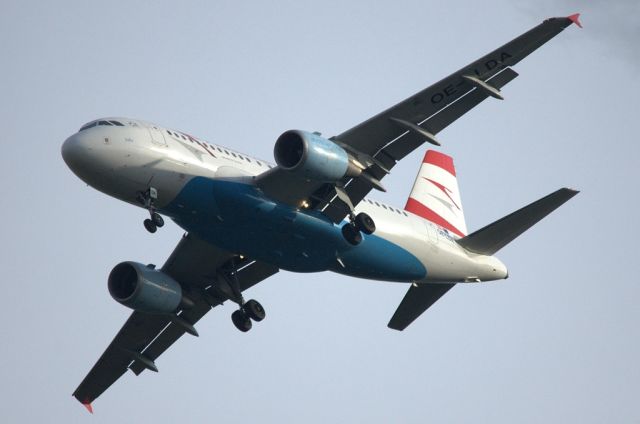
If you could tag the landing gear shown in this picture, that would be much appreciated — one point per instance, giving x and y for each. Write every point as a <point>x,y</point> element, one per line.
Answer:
<point>249,310</point>
<point>361,223</point>
<point>364,223</point>
<point>157,219</point>
<point>241,321</point>
<point>351,234</point>
<point>150,226</point>
<point>254,310</point>
<point>147,199</point>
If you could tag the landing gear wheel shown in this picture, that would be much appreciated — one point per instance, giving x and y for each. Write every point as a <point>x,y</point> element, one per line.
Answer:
<point>351,234</point>
<point>157,219</point>
<point>241,321</point>
<point>364,223</point>
<point>254,310</point>
<point>150,226</point>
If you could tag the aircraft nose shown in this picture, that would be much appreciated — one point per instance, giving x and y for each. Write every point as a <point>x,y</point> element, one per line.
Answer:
<point>71,151</point>
<point>77,154</point>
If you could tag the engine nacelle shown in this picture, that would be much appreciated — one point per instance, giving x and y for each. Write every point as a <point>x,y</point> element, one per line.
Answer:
<point>313,157</point>
<point>144,289</point>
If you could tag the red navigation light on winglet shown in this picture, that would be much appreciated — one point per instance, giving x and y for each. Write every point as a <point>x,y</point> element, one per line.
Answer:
<point>89,407</point>
<point>574,19</point>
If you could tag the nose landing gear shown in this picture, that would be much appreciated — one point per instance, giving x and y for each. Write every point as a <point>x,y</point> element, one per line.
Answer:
<point>147,199</point>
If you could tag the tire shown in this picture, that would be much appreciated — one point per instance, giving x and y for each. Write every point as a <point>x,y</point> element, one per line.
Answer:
<point>351,234</point>
<point>150,226</point>
<point>241,321</point>
<point>365,223</point>
<point>254,310</point>
<point>157,219</point>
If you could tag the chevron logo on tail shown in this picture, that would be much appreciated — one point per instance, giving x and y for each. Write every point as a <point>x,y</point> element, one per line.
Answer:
<point>435,195</point>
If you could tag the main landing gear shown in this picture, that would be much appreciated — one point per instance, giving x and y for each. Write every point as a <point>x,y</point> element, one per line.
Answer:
<point>361,223</point>
<point>249,311</point>
<point>358,224</point>
<point>147,199</point>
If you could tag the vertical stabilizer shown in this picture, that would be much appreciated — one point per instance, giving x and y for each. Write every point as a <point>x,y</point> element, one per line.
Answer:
<point>435,195</point>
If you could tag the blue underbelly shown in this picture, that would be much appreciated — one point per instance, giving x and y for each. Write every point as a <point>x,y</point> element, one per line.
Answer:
<point>237,217</point>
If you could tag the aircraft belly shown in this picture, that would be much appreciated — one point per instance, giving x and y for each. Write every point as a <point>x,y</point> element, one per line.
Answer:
<point>238,217</point>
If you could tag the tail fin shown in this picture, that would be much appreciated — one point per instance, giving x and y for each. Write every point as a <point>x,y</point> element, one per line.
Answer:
<point>435,195</point>
<point>493,237</point>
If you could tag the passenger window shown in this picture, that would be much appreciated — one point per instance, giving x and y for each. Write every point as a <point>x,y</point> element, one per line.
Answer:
<point>377,204</point>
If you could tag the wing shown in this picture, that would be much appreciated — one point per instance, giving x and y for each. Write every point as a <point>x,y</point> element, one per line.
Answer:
<point>195,264</point>
<point>386,138</point>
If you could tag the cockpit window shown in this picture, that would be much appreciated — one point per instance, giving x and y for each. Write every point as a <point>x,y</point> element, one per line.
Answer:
<point>89,125</point>
<point>96,123</point>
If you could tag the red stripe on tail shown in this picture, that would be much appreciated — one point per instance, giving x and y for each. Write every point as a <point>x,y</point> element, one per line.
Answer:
<point>440,160</point>
<point>419,209</point>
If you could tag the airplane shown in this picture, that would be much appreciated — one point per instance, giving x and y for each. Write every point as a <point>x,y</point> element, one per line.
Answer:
<point>245,219</point>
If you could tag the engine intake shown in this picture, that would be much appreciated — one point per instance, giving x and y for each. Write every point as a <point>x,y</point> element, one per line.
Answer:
<point>145,289</point>
<point>313,157</point>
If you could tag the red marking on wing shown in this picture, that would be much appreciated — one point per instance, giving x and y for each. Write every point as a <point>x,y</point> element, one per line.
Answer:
<point>440,160</point>
<point>445,190</point>
<point>89,407</point>
<point>419,209</point>
<point>574,19</point>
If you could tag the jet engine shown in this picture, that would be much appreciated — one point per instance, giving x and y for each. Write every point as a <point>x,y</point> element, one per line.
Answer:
<point>314,157</point>
<point>145,289</point>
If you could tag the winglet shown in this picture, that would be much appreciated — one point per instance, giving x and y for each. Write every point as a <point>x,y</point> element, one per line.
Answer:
<point>574,19</point>
<point>89,407</point>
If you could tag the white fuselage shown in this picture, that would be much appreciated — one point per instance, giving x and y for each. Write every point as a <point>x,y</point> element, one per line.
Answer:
<point>125,160</point>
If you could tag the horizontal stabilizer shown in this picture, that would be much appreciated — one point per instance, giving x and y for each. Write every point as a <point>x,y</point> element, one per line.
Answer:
<point>493,237</point>
<point>417,300</point>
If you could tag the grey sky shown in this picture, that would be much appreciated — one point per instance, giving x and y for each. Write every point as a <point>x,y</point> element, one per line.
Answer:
<point>557,342</point>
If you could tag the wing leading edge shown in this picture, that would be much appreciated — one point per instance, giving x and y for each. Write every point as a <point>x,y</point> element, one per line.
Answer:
<point>195,264</point>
